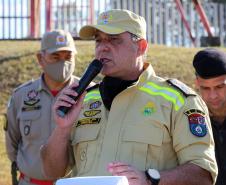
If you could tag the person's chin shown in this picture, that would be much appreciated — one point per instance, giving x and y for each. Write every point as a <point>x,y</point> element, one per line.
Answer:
<point>215,109</point>
<point>105,71</point>
<point>216,106</point>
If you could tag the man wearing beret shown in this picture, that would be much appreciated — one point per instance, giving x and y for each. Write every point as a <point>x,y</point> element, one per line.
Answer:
<point>134,123</point>
<point>210,68</point>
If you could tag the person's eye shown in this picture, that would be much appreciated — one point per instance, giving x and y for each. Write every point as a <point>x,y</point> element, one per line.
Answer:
<point>115,40</point>
<point>55,58</point>
<point>221,86</point>
<point>204,88</point>
<point>97,40</point>
<point>69,57</point>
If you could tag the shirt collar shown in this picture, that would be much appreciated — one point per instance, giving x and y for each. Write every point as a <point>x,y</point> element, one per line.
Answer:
<point>146,74</point>
<point>42,85</point>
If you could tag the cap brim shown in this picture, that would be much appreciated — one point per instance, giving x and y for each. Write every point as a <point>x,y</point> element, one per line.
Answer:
<point>88,32</point>
<point>53,50</point>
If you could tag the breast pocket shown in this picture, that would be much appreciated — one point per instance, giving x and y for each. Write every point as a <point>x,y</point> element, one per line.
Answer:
<point>85,143</point>
<point>30,125</point>
<point>141,145</point>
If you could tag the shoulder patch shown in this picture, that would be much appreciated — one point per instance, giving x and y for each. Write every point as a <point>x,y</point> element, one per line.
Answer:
<point>197,122</point>
<point>23,85</point>
<point>93,87</point>
<point>187,91</point>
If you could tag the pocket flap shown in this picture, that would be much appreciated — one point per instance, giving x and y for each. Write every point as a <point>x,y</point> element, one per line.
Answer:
<point>148,134</point>
<point>85,134</point>
<point>30,115</point>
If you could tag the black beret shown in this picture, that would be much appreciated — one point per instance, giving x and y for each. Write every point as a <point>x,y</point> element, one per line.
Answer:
<point>210,63</point>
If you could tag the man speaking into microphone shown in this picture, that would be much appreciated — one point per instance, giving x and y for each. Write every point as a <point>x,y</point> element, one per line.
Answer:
<point>134,123</point>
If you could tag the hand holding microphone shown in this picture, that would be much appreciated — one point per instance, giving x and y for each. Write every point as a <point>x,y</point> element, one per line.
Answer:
<point>91,72</point>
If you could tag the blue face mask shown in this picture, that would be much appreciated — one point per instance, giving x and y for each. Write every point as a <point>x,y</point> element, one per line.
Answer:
<point>60,71</point>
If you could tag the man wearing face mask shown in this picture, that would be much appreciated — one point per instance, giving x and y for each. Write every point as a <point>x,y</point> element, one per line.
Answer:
<point>30,120</point>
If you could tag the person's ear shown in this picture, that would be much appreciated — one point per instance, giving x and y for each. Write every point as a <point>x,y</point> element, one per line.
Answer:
<point>196,83</point>
<point>39,57</point>
<point>143,45</point>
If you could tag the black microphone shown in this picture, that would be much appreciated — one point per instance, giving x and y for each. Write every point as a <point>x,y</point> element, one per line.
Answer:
<point>91,72</point>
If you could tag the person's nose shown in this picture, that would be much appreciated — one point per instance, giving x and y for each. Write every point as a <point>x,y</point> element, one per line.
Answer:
<point>103,46</point>
<point>213,94</point>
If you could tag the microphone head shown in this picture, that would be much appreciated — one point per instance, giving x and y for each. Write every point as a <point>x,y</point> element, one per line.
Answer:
<point>97,64</point>
<point>93,69</point>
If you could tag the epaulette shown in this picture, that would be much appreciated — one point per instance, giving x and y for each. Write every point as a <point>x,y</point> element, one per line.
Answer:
<point>93,87</point>
<point>23,85</point>
<point>187,91</point>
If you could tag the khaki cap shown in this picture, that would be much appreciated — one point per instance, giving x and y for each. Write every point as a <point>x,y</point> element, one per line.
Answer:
<point>57,40</point>
<point>116,21</point>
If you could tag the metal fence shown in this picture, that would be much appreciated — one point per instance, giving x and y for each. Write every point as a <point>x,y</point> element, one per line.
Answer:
<point>164,23</point>
<point>14,18</point>
<point>71,15</point>
<point>29,19</point>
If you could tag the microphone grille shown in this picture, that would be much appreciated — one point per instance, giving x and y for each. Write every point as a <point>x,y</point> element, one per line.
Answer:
<point>97,64</point>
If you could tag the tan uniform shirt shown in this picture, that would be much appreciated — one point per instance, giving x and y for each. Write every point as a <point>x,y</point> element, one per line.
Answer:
<point>30,123</point>
<point>148,127</point>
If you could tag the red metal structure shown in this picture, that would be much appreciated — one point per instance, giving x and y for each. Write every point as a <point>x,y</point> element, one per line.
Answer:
<point>181,10</point>
<point>48,14</point>
<point>201,13</point>
<point>34,18</point>
<point>203,17</point>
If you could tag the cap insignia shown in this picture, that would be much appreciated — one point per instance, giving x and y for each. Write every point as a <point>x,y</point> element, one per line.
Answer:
<point>60,40</point>
<point>105,18</point>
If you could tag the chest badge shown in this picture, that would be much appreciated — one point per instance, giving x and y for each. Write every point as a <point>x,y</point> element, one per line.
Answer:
<point>149,109</point>
<point>95,105</point>
<point>32,98</point>
<point>197,123</point>
<point>91,113</point>
<point>88,121</point>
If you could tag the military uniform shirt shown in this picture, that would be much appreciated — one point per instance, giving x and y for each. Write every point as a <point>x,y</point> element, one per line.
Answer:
<point>30,123</point>
<point>147,126</point>
<point>219,133</point>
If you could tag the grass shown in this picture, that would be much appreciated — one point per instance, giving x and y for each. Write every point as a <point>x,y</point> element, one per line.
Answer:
<point>5,178</point>
<point>18,65</point>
